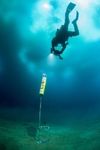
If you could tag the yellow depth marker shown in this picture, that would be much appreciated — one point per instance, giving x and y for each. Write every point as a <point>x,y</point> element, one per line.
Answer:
<point>43,84</point>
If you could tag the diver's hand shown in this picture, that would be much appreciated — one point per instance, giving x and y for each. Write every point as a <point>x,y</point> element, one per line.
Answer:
<point>60,57</point>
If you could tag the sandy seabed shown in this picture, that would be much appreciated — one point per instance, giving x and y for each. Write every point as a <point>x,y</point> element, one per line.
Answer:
<point>24,135</point>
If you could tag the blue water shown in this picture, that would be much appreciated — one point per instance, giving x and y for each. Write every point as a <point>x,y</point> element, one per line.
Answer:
<point>72,91</point>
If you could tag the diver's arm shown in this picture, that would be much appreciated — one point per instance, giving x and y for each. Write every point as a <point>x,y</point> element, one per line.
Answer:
<point>60,57</point>
<point>63,48</point>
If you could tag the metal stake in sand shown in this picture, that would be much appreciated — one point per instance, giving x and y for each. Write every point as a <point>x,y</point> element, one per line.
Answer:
<point>41,92</point>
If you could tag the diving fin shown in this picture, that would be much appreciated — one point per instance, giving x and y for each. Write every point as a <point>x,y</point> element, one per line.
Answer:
<point>70,6</point>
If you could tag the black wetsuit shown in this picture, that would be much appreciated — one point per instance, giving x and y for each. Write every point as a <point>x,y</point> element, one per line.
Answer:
<point>63,34</point>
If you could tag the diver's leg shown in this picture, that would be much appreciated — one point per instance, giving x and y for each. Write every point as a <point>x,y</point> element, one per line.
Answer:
<point>77,16</point>
<point>74,22</point>
<point>66,23</point>
<point>69,8</point>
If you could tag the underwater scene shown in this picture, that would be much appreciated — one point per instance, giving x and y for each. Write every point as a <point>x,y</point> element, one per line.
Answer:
<point>49,75</point>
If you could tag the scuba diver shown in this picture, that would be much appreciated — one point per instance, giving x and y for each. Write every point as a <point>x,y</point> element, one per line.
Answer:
<point>63,34</point>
